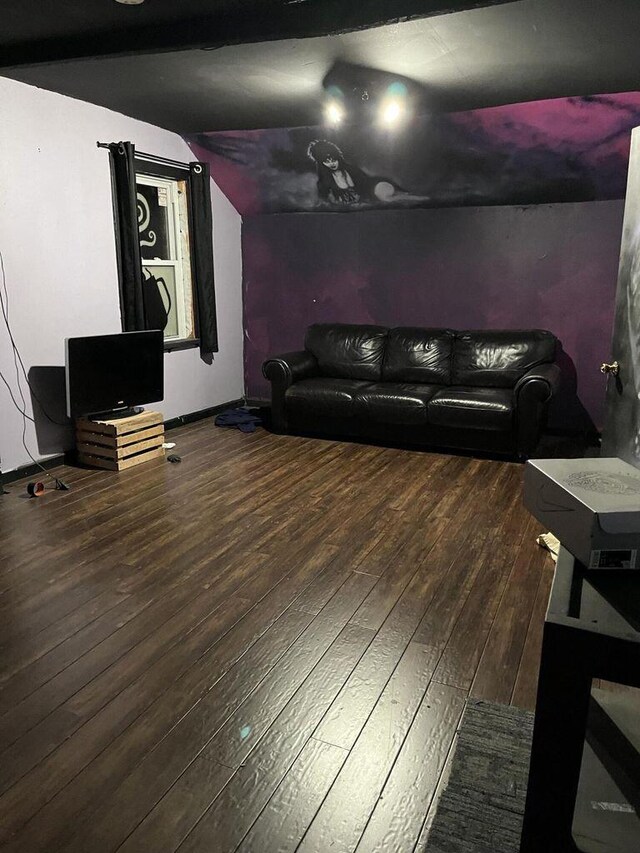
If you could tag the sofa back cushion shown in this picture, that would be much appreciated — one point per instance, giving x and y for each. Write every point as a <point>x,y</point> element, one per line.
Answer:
<point>497,359</point>
<point>418,355</point>
<point>347,351</point>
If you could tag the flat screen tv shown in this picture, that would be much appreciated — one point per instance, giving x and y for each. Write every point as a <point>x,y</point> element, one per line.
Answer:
<point>106,373</point>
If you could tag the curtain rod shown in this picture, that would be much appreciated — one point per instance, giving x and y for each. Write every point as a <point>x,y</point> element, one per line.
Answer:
<point>153,158</point>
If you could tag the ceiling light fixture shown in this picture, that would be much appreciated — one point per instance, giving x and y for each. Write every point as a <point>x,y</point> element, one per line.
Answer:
<point>354,95</point>
<point>130,2</point>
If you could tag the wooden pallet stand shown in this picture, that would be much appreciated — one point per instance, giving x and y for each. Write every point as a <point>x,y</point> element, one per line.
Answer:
<point>120,443</point>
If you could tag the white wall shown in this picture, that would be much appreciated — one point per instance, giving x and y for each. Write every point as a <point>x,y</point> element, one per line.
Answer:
<point>57,239</point>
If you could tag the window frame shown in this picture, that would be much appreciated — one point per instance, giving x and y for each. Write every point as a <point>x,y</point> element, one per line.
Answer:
<point>160,171</point>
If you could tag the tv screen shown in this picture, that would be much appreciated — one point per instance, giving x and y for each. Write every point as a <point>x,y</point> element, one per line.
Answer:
<point>108,372</point>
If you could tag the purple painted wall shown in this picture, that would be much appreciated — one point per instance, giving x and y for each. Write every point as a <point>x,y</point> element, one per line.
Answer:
<point>546,266</point>
<point>438,239</point>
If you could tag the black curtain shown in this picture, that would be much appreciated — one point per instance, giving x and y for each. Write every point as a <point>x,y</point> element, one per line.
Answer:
<point>202,246</point>
<point>130,264</point>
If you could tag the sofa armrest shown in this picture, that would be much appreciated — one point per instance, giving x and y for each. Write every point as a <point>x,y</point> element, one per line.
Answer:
<point>540,382</point>
<point>533,391</point>
<point>290,367</point>
<point>282,371</point>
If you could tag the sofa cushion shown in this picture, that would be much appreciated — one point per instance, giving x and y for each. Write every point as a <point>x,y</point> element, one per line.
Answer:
<point>497,359</point>
<point>395,402</point>
<point>472,408</point>
<point>347,351</point>
<point>323,396</point>
<point>418,355</point>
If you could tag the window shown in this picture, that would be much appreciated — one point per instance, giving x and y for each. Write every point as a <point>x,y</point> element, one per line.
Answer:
<point>163,232</point>
<point>164,245</point>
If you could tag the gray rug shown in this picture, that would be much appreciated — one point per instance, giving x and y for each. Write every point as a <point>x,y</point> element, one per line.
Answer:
<point>481,808</point>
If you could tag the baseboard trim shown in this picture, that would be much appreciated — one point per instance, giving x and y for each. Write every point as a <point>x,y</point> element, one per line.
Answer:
<point>191,417</point>
<point>7,477</point>
<point>23,471</point>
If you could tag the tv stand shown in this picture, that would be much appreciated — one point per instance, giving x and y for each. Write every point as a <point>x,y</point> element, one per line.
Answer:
<point>117,443</point>
<point>116,414</point>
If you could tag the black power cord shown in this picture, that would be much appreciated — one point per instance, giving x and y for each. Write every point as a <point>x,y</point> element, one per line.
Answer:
<point>60,484</point>
<point>17,359</point>
<point>4,304</point>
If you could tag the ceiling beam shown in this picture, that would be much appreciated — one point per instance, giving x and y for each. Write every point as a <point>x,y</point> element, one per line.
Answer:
<point>253,21</point>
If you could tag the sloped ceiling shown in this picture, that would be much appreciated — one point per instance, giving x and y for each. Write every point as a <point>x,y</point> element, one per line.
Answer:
<point>503,53</point>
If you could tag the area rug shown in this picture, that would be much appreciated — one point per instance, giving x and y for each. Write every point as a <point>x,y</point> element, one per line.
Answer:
<point>481,809</point>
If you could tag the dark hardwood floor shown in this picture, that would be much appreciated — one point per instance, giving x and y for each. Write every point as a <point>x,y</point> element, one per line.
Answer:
<point>264,648</point>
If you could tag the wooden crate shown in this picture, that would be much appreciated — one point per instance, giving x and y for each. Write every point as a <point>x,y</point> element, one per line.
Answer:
<point>120,443</point>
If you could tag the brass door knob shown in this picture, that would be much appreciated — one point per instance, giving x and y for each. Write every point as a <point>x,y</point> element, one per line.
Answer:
<point>613,368</point>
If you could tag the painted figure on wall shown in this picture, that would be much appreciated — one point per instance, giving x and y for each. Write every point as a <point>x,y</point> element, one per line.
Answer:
<point>344,184</point>
<point>339,182</point>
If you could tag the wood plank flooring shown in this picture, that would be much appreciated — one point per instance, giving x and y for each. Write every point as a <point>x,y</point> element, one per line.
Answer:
<point>264,648</point>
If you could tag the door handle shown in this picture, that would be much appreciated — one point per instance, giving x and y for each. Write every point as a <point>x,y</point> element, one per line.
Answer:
<point>613,368</point>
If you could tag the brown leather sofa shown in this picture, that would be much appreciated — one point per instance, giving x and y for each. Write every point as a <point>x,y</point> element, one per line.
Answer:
<point>477,390</point>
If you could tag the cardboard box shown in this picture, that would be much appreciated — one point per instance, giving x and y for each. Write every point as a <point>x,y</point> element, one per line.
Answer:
<point>591,505</point>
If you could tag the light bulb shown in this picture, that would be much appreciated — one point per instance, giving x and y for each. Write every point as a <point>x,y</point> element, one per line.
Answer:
<point>334,112</point>
<point>391,112</point>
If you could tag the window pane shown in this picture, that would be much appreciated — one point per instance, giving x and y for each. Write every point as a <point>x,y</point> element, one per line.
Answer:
<point>161,305</point>
<point>163,221</point>
<point>153,225</point>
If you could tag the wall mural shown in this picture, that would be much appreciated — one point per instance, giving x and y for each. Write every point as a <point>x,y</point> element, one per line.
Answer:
<point>561,150</point>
